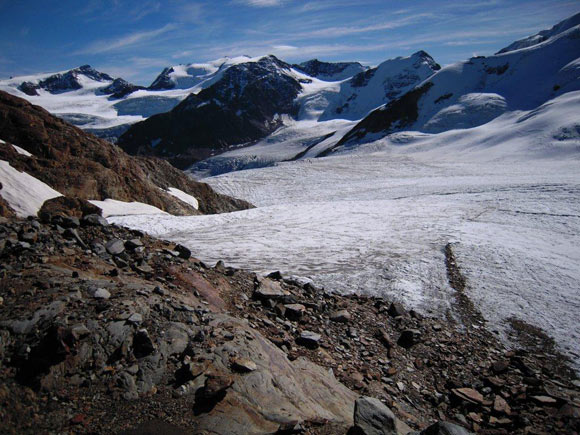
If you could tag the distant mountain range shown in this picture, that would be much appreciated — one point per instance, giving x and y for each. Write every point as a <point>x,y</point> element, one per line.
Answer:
<point>194,111</point>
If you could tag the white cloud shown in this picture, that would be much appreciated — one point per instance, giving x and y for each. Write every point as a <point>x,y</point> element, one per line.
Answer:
<point>108,45</point>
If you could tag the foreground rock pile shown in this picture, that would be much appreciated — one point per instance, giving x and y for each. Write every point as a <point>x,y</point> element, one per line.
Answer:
<point>106,330</point>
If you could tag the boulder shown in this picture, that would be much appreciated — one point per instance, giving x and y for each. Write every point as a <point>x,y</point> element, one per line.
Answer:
<point>115,247</point>
<point>372,417</point>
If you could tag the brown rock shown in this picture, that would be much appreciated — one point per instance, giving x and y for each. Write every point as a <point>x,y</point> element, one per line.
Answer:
<point>544,400</point>
<point>216,384</point>
<point>342,316</point>
<point>469,395</point>
<point>243,365</point>
<point>501,406</point>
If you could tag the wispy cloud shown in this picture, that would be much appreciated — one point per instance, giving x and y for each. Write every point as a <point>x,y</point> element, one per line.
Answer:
<point>132,39</point>
<point>260,3</point>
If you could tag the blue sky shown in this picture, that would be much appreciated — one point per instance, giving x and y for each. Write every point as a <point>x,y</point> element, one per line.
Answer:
<point>136,39</point>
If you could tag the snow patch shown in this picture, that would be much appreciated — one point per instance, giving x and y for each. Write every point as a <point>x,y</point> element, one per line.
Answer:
<point>185,197</point>
<point>113,207</point>
<point>24,193</point>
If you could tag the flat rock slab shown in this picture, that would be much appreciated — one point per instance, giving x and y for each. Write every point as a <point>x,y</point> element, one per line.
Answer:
<point>268,289</point>
<point>469,394</point>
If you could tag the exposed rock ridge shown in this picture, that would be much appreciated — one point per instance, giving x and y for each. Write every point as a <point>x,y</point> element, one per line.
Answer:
<point>78,164</point>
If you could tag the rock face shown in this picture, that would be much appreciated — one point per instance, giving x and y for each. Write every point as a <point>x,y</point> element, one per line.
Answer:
<point>79,165</point>
<point>120,88</point>
<point>330,71</point>
<point>244,105</point>
<point>63,82</point>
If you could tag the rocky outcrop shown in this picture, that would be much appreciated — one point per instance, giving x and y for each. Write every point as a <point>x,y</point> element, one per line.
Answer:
<point>145,332</point>
<point>330,71</point>
<point>120,88</point>
<point>244,105</point>
<point>80,165</point>
<point>63,82</point>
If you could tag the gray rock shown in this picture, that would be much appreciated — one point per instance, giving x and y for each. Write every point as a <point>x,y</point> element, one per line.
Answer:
<point>372,417</point>
<point>309,339</point>
<point>269,290</point>
<point>115,247</point>
<point>101,293</point>
<point>135,318</point>
<point>95,220</point>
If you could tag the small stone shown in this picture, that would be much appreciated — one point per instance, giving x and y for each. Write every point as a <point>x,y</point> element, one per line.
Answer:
<point>95,220</point>
<point>500,367</point>
<point>183,252</point>
<point>115,247</point>
<point>244,365</point>
<point>396,310</point>
<point>309,339</point>
<point>160,291</point>
<point>70,222</point>
<point>135,318</point>
<point>101,293</point>
<point>294,311</point>
<point>342,316</point>
<point>409,338</point>
<point>133,244</point>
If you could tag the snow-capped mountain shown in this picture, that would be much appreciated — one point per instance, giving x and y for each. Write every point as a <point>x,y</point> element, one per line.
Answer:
<point>371,88</point>
<point>246,104</point>
<point>474,92</point>
<point>330,71</point>
<point>194,75</point>
<point>543,35</point>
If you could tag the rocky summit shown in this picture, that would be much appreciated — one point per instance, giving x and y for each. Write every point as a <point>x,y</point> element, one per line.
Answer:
<point>107,330</point>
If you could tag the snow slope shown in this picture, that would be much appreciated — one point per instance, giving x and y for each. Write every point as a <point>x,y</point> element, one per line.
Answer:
<point>472,93</point>
<point>370,89</point>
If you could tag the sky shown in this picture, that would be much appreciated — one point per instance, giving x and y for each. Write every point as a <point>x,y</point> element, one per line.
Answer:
<point>137,39</point>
